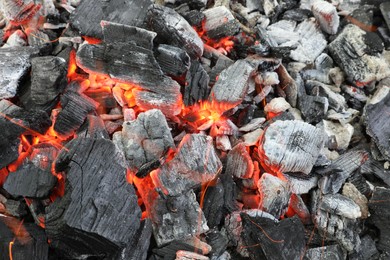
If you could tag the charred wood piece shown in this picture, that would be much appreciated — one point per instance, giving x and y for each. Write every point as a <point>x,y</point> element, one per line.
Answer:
<point>173,29</point>
<point>291,146</point>
<point>138,248</point>
<point>220,23</point>
<point>327,16</point>
<point>197,84</point>
<point>239,163</point>
<point>172,60</point>
<point>131,12</point>
<point>144,140</point>
<point>19,11</point>
<point>195,162</point>
<point>48,78</point>
<point>84,222</point>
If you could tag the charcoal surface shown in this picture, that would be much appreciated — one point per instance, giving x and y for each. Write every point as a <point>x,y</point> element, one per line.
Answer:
<point>88,15</point>
<point>172,60</point>
<point>48,78</point>
<point>30,244</point>
<point>145,139</point>
<point>197,84</point>
<point>335,252</point>
<point>287,237</point>
<point>138,248</point>
<point>239,163</point>
<point>173,29</point>
<point>196,162</point>
<point>220,22</point>
<point>92,218</point>
<point>30,181</point>
<point>380,215</point>
<point>291,146</point>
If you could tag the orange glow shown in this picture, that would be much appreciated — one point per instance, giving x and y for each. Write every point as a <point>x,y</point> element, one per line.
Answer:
<point>91,40</point>
<point>27,13</point>
<point>226,43</point>
<point>3,175</point>
<point>203,112</point>
<point>72,67</point>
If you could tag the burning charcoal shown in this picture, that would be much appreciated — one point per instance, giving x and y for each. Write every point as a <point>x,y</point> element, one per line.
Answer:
<point>197,84</point>
<point>350,191</point>
<point>277,105</point>
<point>223,143</point>
<point>48,78</point>
<point>276,240</point>
<point>169,251</point>
<point>300,209</point>
<point>218,242</point>
<point>289,85</point>
<point>151,88</point>
<point>291,146</point>
<point>195,163</point>
<point>75,108</point>
<point>10,207</point>
<point>30,181</point>
<point>232,85</point>
<point>172,60</point>
<point>335,216</point>
<point>186,255</point>
<point>138,248</point>
<point>223,62</point>
<point>326,252</point>
<point>17,39</point>
<point>214,204</point>
<point>301,184</point>
<point>376,120</point>
<point>22,240</point>
<point>131,12</point>
<point>19,11</point>
<point>274,193</point>
<point>239,163</point>
<point>94,128</point>
<point>12,70</point>
<point>220,23</point>
<point>327,16</point>
<point>38,38</point>
<point>380,215</point>
<point>342,133</point>
<point>174,29</point>
<point>84,222</point>
<point>311,43</point>
<point>337,173</point>
<point>349,50</point>
<point>145,139</point>
<point>252,138</point>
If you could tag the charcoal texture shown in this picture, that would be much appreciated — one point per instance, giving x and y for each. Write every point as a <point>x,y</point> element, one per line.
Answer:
<point>172,60</point>
<point>92,218</point>
<point>197,84</point>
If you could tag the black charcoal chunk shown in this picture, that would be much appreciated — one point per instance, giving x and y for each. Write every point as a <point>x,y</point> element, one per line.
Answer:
<point>385,9</point>
<point>223,62</point>
<point>218,242</point>
<point>372,166</point>
<point>48,78</point>
<point>197,84</point>
<point>276,240</point>
<point>220,23</point>
<point>98,214</point>
<point>172,60</point>
<point>93,127</point>
<point>214,203</point>
<point>172,28</point>
<point>138,248</point>
<point>380,215</point>
<point>88,15</point>
<point>334,252</point>
<point>367,250</point>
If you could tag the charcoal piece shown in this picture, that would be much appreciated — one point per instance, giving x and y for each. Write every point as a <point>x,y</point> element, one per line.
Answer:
<point>289,85</point>
<point>336,216</point>
<point>214,203</point>
<point>350,191</point>
<point>15,208</point>
<point>75,108</point>
<point>218,242</point>
<point>131,12</point>
<point>366,251</point>
<point>169,251</point>
<point>274,194</point>
<point>84,222</point>
<point>311,43</point>
<point>372,166</point>
<point>116,32</point>
<point>337,173</point>
<point>195,162</point>
<point>172,60</point>
<point>301,184</point>
<point>220,23</point>
<point>300,209</point>
<point>48,78</point>
<point>287,237</point>
<point>38,38</point>
<point>336,101</point>
<point>94,128</point>
<point>342,133</point>
<point>385,9</point>
<point>360,182</point>
<point>186,255</point>
<point>326,15</point>
<point>9,150</point>
<point>145,139</point>
<point>349,52</point>
<point>30,181</point>
<point>29,240</point>
<point>12,70</point>
<point>151,88</point>
<point>138,248</point>
<point>297,14</point>
<point>19,12</point>
<point>194,17</point>
<point>174,29</point>
<point>223,62</point>
<point>232,85</point>
<point>239,162</point>
<point>334,252</point>
<point>313,108</point>
<point>291,146</point>
<point>197,84</point>
<point>377,123</point>
<point>380,215</point>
